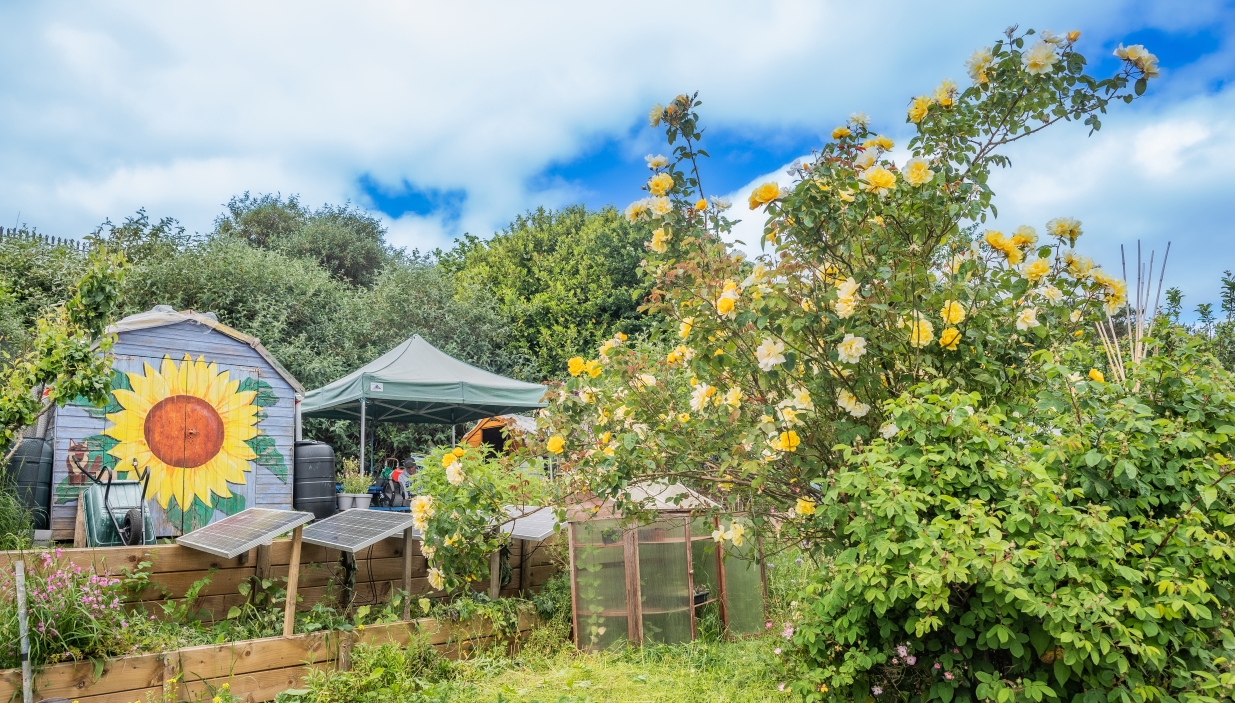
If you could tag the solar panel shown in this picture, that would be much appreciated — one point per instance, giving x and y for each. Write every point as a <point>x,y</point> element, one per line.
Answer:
<point>237,534</point>
<point>353,530</point>
<point>538,525</point>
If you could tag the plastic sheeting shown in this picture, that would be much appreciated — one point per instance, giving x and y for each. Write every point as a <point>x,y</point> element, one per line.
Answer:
<point>600,579</point>
<point>743,588</point>
<point>664,588</point>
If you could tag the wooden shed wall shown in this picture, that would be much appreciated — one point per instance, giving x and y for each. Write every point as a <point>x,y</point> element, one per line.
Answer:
<point>75,425</point>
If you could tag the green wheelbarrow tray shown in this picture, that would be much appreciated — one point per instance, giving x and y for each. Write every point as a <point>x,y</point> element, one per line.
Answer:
<point>109,505</point>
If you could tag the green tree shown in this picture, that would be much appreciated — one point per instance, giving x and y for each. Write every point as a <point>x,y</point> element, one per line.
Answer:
<point>347,242</point>
<point>1174,303</point>
<point>566,280</point>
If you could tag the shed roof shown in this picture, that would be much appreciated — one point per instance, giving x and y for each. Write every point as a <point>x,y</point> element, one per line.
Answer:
<point>163,315</point>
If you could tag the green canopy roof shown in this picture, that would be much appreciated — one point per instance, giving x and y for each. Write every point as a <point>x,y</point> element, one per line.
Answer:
<point>417,383</point>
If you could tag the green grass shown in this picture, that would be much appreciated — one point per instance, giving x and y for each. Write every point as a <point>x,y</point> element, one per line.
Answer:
<point>740,671</point>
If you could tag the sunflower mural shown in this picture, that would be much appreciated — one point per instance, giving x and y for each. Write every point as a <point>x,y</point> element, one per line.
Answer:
<point>194,428</point>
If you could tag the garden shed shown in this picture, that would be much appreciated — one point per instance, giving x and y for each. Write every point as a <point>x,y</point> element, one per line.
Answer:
<point>205,408</point>
<point>658,581</point>
<point>502,432</point>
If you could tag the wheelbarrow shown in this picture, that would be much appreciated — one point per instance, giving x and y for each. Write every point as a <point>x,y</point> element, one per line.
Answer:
<point>115,511</point>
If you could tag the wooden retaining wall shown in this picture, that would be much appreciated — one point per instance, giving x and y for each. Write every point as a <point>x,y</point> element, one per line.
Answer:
<point>255,669</point>
<point>379,569</point>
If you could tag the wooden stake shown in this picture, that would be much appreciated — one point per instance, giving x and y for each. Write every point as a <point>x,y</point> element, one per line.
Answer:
<point>293,576</point>
<point>495,574</point>
<point>407,574</point>
<point>524,566</point>
<point>79,523</point>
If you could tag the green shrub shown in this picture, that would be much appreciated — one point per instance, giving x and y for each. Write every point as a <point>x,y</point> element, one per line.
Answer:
<point>1078,547</point>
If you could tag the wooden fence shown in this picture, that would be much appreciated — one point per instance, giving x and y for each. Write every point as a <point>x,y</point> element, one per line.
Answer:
<point>255,669</point>
<point>32,236</point>
<point>379,569</point>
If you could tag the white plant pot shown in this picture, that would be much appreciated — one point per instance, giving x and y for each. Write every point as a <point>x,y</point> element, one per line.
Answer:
<point>346,500</point>
<point>363,500</point>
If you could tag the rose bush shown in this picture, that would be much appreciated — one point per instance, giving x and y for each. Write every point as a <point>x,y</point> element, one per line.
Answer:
<point>827,386</point>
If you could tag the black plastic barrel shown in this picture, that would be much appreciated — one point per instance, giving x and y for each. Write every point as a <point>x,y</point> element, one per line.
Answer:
<point>313,484</point>
<point>29,471</point>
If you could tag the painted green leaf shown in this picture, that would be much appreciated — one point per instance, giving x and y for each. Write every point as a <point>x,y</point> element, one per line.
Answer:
<point>265,393</point>
<point>119,380</point>
<point>268,455</point>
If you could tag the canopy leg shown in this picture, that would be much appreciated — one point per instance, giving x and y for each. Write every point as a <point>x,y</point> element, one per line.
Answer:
<point>362,433</point>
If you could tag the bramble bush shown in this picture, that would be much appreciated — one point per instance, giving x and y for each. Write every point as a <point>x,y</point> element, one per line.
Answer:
<point>917,399</point>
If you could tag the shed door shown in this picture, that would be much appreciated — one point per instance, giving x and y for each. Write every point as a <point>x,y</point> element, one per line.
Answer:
<point>186,432</point>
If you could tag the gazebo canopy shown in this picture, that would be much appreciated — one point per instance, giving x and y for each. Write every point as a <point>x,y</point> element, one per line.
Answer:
<point>417,383</point>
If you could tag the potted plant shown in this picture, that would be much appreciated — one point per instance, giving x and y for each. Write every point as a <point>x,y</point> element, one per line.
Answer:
<point>355,486</point>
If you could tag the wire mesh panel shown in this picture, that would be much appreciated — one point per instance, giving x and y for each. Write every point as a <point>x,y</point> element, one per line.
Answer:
<point>664,586</point>
<point>743,587</point>
<point>600,581</point>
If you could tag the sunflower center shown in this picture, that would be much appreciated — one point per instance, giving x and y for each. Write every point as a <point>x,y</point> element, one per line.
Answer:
<point>184,431</point>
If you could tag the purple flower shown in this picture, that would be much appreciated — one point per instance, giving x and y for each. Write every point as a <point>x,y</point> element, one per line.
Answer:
<point>878,691</point>
<point>787,632</point>
<point>902,650</point>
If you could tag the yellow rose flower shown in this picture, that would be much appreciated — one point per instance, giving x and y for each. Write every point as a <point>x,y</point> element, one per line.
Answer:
<point>593,368</point>
<point>805,507</point>
<point>1037,269</point>
<point>1024,235</point>
<point>952,312</point>
<point>1096,375</point>
<point>789,441</point>
<point>977,64</point>
<point>949,338</point>
<point>945,94</point>
<point>1065,228</point>
<point>701,204</point>
<point>685,328</point>
<point>917,172</point>
<point>660,184</point>
<point>556,444</point>
<point>448,459</point>
<point>683,417</point>
<point>1040,58</point>
<point>879,141</point>
<point>921,332</point>
<point>764,194</point>
<point>660,241</point>
<point>841,133</point>
<point>918,109</point>
<point>575,365</point>
<point>660,206</point>
<point>878,180</point>
<point>724,305</point>
<point>458,451</point>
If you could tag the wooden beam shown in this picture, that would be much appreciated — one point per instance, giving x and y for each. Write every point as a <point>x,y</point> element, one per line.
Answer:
<point>495,574</point>
<point>407,574</point>
<point>263,561</point>
<point>79,523</point>
<point>524,558</point>
<point>293,575</point>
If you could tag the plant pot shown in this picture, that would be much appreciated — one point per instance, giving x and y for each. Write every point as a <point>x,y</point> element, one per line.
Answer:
<point>701,597</point>
<point>363,500</point>
<point>347,501</point>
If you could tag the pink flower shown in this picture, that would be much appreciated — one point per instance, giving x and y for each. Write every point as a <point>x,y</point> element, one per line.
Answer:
<point>776,651</point>
<point>780,687</point>
<point>936,665</point>
<point>787,632</point>
<point>911,660</point>
<point>948,675</point>
<point>767,625</point>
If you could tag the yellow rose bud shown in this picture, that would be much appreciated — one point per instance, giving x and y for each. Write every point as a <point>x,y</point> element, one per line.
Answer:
<point>702,204</point>
<point>1096,375</point>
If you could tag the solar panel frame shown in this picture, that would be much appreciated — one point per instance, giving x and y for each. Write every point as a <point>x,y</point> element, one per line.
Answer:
<point>537,525</point>
<point>358,528</point>
<point>263,525</point>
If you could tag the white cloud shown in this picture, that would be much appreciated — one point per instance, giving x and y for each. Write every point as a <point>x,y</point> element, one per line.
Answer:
<point>177,107</point>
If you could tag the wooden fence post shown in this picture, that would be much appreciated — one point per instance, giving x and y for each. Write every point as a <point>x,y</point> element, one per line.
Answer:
<point>293,576</point>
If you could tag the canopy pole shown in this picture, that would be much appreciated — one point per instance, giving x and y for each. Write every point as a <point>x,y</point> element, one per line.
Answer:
<point>362,433</point>
<point>453,441</point>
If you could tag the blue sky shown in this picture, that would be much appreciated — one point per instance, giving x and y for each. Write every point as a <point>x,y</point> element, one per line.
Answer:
<point>452,118</point>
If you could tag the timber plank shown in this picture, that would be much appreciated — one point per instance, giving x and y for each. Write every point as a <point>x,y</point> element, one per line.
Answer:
<point>74,680</point>
<point>254,687</point>
<point>236,658</point>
